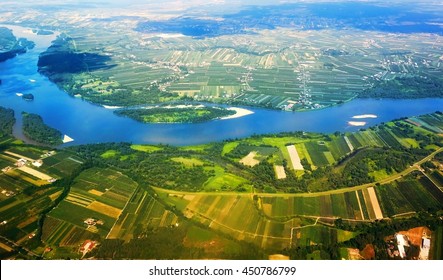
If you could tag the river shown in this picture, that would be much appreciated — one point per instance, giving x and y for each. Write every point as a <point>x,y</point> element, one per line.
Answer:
<point>88,123</point>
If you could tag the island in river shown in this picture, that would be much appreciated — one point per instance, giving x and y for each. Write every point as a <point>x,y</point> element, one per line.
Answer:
<point>35,129</point>
<point>190,113</point>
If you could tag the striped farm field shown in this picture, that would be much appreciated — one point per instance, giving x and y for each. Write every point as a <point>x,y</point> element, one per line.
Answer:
<point>104,209</point>
<point>22,211</point>
<point>141,213</point>
<point>221,213</point>
<point>392,201</point>
<point>406,196</point>
<point>369,138</point>
<point>317,153</point>
<point>344,205</point>
<point>97,193</point>
<point>320,235</point>
<point>389,139</point>
<point>61,233</point>
<point>339,147</point>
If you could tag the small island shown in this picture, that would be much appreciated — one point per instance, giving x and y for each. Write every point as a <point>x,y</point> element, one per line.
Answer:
<point>35,129</point>
<point>28,96</point>
<point>42,32</point>
<point>176,114</point>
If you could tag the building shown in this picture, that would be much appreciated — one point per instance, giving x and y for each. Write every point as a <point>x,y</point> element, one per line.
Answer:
<point>37,163</point>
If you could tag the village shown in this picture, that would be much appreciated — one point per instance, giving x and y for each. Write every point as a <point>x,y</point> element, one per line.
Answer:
<point>27,168</point>
<point>413,244</point>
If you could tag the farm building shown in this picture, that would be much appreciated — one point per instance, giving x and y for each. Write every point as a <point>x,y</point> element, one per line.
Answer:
<point>21,162</point>
<point>37,163</point>
<point>401,243</point>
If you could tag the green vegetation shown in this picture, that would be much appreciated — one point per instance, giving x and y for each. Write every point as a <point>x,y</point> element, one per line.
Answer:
<point>184,199</point>
<point>438,243</point>
<point>7,121</point>
<point>175,114</point>
<point>99,194</point>
<point>118,67</point>
<point>407,87</point>
<point>10,46</point>
<point>145,148</point>
<point>34,128</point>
<point>223,200</point>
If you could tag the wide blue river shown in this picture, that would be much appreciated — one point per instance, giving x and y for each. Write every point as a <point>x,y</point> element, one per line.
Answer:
<point>88,123</point>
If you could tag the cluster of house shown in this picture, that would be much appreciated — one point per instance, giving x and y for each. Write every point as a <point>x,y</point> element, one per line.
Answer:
<point>412,244</point>
<point>92,222</point>
<point>87,246</point>
<point>8,193</point>
<point>22,162</point>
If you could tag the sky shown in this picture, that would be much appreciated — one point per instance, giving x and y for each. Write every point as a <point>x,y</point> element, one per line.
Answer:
<point>226,2</point>
<point>165,6</point>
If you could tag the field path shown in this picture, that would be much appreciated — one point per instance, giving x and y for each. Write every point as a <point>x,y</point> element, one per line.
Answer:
<point>349,143</point>
<point>432,180</point>
<point>250,234</point>
<point>18,156</point>
<point>300,227</point>
<point>359,205</point>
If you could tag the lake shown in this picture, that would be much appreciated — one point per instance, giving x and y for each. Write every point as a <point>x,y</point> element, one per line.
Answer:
<point>87,123</point>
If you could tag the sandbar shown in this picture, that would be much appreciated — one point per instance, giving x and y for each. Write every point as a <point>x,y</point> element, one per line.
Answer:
<point>111,107</point>
<point>67,139</point>
<point>239,112</point>
<point>357,123</point>
<point>367,116</point>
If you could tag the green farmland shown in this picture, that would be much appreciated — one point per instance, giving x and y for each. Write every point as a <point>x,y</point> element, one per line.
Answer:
<point>271,72</point>
<point>225,193</point>
<point>98,194</point>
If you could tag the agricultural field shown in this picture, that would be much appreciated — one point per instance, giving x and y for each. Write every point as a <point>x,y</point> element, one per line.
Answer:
<point>107,206</point>
<point>315,151</point>
<point>24,166</point>
<point>406,196</point>
<point>271,219</point>
<point>346,205</point>
<point>278,220</point>
<point>26,187</point>
<point>437,238</point>
<point>22,212</point>
<point>284,68</point>
<point>315,235</point>
<point>95,202</point>
<point>225,181</point>
<point>218,213</point>
<point>142,213</point>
